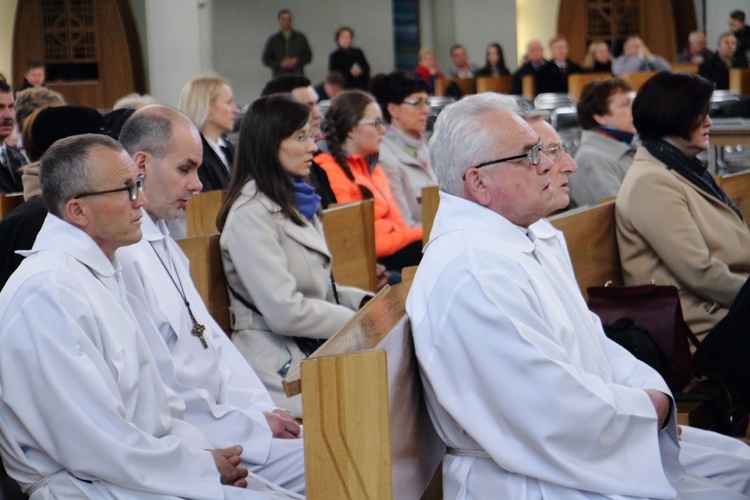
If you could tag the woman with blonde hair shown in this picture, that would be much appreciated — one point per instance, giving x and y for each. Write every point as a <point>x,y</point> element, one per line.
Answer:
<point>427,68</point>
<point>598,59</point>
<point>208,101</point>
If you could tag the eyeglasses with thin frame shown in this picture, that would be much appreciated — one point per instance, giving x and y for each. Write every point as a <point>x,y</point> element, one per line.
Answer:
<point>417,103</point>
<point>377,123</point>
<point>132,190</point>
<point>534,157</point>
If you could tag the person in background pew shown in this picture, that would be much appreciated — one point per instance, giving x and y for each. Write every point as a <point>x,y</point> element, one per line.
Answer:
<point>403,154</point>
<point>636,57</point>
<point>208,101</point>
<point>533,62</point>
<point>461,68</point>
<point>494,62</point>
<point>427,68</point>
<point>696,51</point>
<point>606,152</point>
<point>553,76</point>
<point>598,59</point>
<point>11,159</point>
<point>716,68</point>
<point>284,300</point>
<point>676,226</point>
<point>529,395</point>
<point>353,128</point>
<point>223,397</point>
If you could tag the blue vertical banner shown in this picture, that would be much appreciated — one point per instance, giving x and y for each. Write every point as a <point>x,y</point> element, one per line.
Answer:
<point>406,33</point>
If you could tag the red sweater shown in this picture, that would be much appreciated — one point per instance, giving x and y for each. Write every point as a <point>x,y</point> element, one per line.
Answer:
<point>391,232</point>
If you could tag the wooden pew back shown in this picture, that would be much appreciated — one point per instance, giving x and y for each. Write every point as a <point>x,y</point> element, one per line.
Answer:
<point>367,430</point>
<point>737,187</point>
<point>207,272</point>
<point>430,202</point>
<point>467,86</point>
<point>528,86</point>
<point>592,244</point>
<point>201,212</point>
<point>8,202</point>
<point>739,81</point>
<point>637,79</point>
<point>684,67</point>
<point>577,81</point>
<point>500,84</point>
<point>350,234</point>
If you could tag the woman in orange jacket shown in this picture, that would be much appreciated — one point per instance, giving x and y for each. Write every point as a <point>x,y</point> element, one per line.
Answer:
<point>353,129</point>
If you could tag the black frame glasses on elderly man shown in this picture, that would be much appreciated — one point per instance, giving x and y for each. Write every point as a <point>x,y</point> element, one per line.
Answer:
<point>132,189</point>
<point>534,156</point>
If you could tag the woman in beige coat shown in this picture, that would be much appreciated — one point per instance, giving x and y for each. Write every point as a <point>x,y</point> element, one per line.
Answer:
<point>677,227</point>
<point>275,256</point>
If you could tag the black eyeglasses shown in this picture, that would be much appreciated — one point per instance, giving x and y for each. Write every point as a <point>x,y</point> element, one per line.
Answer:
<point>534,157</point>
<point>132,190</point>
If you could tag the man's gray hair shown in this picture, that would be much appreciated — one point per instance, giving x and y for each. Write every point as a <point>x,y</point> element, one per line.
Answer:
<point>461,139</point>
<point>150,129</point>
<point>64,172</point>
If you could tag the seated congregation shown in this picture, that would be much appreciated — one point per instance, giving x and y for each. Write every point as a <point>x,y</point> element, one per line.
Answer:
<point>116,380</point>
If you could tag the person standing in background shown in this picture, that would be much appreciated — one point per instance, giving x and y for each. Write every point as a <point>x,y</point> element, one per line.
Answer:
<point>287,51</point>
<point>349,61</point>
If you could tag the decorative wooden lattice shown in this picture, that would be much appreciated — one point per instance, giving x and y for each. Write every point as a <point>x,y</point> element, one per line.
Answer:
<point>612,19</point>
<point>69,29</point>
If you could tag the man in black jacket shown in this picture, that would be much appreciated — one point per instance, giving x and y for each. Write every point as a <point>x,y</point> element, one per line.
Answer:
<point>716,68</point>
<point>287,51</point>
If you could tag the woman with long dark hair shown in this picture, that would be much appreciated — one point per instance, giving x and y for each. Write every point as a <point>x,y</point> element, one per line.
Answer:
<point>353,128</point>
<point>278,267</point>
<point>494,62</point>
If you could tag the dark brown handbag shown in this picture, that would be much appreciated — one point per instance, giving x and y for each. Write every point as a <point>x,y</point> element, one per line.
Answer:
<point>657,309</point>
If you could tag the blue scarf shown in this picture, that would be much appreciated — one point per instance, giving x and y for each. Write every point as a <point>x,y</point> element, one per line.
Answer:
<point>305,198</point>
<point>615,134</point>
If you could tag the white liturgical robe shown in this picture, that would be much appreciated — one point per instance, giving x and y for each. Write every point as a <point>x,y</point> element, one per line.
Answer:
<point>83,412</point>
<point>223,396</point>
<point>515,365</point>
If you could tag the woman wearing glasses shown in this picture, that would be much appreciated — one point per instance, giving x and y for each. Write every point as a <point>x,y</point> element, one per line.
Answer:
<point>353,128</point>
<point>403,155</point>
<point>275,257</point>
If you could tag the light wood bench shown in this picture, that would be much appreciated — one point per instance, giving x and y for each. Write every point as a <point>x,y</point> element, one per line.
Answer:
<point>350,234</point>
<point>684,67</point>
<point>739,81</point>
<point>637,79</point>
<point>430,200</point>
<point>8,202</point>
<point>367,430</point>
<point>467,86</point>
<point>201,212</point>
<point>207,272</point>
<point>528,86</point>
<point>500,84</point>
<point>737,187</point>
<point>577,81</point>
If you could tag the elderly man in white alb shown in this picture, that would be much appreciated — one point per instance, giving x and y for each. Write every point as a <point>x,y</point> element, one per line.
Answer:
<point>531,398</point>
<point>223,396</point>
<point>83,411</point>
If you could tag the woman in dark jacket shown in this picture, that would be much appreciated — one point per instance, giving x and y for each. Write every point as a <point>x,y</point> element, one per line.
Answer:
<point>349,61</point>
<point>494,62</point>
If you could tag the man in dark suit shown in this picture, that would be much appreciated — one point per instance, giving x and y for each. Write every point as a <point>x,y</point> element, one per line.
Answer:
<point>534,62</point>
<point>716,68</point>
<point>11,159</point>
<point>553,76</point>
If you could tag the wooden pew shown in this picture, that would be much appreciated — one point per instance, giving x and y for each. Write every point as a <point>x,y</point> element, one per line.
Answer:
<point>739,81</point>
<point>201,212</point>
<point>500,84</point>
<point>637,79</point>
<point>430,201</point>
<point>8,202</point>
<point>528,86</point>
<point>207,272</point>
<point>577,81</point>
<point>592,244</point>
<point>684,67</point>
<point>467,86</point>
<point>367,430</point>
<point>350,234</point>
<point>737,187</point>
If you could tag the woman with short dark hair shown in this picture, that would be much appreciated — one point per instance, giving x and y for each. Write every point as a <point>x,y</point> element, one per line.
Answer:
<point>275,257</point>
<point>676,226</point>
<point>402,97</point>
